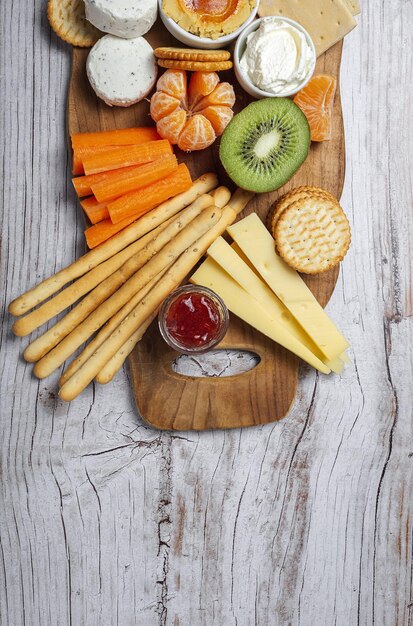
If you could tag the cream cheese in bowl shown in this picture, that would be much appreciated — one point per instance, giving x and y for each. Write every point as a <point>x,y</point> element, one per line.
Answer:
<point>279,57</point>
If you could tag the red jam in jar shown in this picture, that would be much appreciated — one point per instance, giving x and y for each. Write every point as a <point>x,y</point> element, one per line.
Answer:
<point>193,319</point>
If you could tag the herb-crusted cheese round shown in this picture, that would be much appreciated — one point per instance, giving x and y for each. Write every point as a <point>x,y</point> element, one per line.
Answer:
<point>121,71</point>
<point>124,18</point>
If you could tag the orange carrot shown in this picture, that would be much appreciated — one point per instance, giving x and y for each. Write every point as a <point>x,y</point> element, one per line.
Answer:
<point>116,137</point>
<point>81,153</point>
<point>83,184</point>
<point>96,211</point>
<point>124,156</point>
<point>137,177</point>
<point>176,183</point>
<point>150,196</point>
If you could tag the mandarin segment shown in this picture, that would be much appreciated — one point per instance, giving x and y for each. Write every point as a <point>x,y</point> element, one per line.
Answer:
<point>171,126</point>
<point>223,94</point>
<point>162,104</point>
<point>173,82</point>
<point>219,116</point>
<point>197,134</point>
<point>316,102</point>
<point>201,84</point>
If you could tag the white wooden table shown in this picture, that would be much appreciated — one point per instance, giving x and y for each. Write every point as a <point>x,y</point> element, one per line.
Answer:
<point>305,522</point>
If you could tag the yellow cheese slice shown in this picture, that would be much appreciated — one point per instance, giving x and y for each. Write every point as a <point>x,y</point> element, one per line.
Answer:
<point>239,302</point>
<point>258,245</point>
<point>232,263</point>
<point>327,21</point>
<point>353,6</point>
<point>337,364</point>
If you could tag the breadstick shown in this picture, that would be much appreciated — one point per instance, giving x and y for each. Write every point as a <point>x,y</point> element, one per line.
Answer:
<point>25,325</point>
<point>151,245</point>
<point>114,364</point>
<point>104,311</point>
<point>43,344</point>
<point>85,374</point>
<point>107,330</point>
<point>128,235</point>
<point>221,196</point>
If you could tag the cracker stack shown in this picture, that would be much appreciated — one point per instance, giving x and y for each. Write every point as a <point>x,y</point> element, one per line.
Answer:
<point>311,230</point>
<point>193,60</point>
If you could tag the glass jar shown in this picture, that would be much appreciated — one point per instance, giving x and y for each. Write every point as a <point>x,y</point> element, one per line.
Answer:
<point>193,319</point>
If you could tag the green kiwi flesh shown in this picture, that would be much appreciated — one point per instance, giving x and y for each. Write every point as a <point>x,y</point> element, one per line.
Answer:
<point>265,144</point>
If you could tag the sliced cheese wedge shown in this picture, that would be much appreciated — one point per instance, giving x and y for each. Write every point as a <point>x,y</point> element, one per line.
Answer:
<point>229,258</point>
<point>242,304</point>
<point>258,245</point>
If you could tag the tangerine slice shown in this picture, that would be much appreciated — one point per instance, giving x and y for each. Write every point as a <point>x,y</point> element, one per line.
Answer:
<point>162,104</point>
<point>171,126</point>
<point>222,94</point>
<point>316,102</point>
<point>197,134</point>
<point>173,82</point>
<point>201,84</point>
<point>219,116</point>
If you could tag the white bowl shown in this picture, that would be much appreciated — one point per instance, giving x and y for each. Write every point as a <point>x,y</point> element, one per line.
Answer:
<point>194,41</point>
<point>246,82</point>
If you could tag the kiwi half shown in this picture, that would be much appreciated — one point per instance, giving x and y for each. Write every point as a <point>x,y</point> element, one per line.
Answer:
<point>265,144</point>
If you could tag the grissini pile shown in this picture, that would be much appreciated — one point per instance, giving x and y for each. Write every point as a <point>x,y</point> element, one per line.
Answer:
<point>220,196</point>
<point>104,311</point>
<point>119,286</point>
<point>108,286</point>
<point>144,225</point>
<point>146,307</point>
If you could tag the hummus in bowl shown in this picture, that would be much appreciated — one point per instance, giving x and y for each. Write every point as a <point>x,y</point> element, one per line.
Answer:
<point>209,19</point>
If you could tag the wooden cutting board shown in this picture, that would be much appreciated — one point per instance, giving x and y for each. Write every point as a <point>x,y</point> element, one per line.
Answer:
<point>264,394</point>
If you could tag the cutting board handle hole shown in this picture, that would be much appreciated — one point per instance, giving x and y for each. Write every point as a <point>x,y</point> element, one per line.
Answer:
<point>216,363</point>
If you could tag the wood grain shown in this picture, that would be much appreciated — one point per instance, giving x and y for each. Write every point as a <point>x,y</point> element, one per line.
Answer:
<point>265,393</point>
<point>307,521</point>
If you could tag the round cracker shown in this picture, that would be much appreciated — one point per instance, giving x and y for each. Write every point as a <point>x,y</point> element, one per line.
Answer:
<point>292,196</point>
<point>196,66</point>
<point>313,234</point>
<point>67,18</point>
<point>191,54</point>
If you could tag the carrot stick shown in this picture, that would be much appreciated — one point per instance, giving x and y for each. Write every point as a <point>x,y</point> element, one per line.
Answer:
<point>83,184</point>
<point>137,177</point>
<point>81,153</point>
<point>124,156</point>
<point>96,211</point>
<point>172,185</point>
<point>147,197</point>
<point>116,137</point>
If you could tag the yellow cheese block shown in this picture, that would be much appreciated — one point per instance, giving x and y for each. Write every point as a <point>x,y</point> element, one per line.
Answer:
<point>230,261</point>
<point>327,21</point>
<point>239,302</point>
<point>258,245</point>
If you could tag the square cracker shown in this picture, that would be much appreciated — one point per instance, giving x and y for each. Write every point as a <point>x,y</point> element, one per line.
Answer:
<point>327,21</point>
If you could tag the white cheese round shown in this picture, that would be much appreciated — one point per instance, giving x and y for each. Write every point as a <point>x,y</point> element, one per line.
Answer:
<point>124,18</point>
<point>121,71</point>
